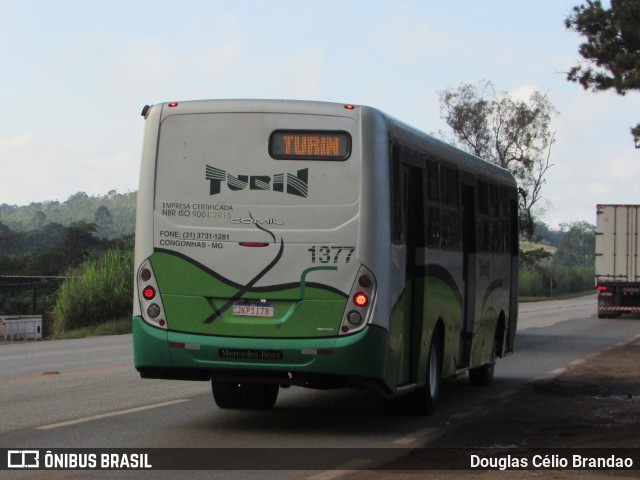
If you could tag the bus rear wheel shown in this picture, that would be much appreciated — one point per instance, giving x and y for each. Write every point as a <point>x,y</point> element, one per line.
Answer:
<point>434,377</point>
<point>252,396</point>
<point>483,375</point>
<point>226,394</point>
<point>422,401</point>
<point>259,397</point>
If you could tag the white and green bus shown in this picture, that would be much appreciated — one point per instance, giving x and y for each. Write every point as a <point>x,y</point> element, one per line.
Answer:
<point>293,243</point>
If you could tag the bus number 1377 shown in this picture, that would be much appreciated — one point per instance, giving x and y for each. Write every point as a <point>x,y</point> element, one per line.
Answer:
<point>330,254</point>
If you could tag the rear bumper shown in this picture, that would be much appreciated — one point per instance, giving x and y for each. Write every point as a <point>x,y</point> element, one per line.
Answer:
<point>618,309</point>
<point>355,360</point>
<point>615,298</point>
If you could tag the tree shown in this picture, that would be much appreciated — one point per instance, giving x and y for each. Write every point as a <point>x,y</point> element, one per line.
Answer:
<point>77,197</point>
<point>534,258</point>
<point>546,235</point>
<point>511,133</point>
<point>79,241</point>
<point>103,221</point>
<point>612,48</point>
<point>577,246</point>
<point>6,238</point>
<point>39,219</point>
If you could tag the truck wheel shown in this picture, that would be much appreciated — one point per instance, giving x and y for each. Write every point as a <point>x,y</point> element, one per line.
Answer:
<point>483,375</point>
<point>226,394</point>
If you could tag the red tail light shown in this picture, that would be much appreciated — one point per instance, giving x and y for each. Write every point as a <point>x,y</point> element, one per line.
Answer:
<point>359,309</point>
<point>149,293</point>
<point>361,299</point>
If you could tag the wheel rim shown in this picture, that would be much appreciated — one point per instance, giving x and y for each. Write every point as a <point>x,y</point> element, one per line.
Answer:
<point>433,372</point>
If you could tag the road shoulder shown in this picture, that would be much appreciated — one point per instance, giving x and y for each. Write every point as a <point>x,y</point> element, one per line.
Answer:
<point>593,403</point>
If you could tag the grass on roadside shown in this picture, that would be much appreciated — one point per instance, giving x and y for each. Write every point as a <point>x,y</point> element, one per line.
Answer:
<point>114,327</point>
<point>557,297</point>
<point>99,291</point>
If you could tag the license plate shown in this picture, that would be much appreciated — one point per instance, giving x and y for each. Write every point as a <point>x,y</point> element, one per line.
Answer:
<point>253,310</point>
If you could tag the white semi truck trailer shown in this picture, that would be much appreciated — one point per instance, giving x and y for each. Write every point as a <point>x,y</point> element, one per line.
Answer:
<point>617,269</point>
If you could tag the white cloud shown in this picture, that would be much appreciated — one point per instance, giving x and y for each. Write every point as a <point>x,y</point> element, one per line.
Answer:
<point>32,171</point>
<point>598,189</point>
<point>524,92</point>
<point>16,142</point>
<point>622,169</point>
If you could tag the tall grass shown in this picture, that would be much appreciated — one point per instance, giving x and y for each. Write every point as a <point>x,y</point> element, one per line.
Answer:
<point>100,291</point>
<point>555,280</point>
<point>531,283</point>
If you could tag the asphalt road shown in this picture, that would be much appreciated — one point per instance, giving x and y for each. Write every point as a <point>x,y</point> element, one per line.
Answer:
<point>85,393</point>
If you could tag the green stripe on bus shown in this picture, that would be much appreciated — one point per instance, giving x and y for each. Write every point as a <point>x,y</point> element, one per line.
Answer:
<point>190,296</point>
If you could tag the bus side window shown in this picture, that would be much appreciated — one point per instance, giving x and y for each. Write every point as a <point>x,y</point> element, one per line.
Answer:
<point>397,213</point>
<point>483,221</point>
<point>450,213</point>
<point>433,227</point>
<point>449,187</point>
<point>513,224</point>
<point>433,205</point>
<point>433,190</point>
<point>493,226</point>
<point>494,212</point>
<point>505,217</point>
<point>451,234</point>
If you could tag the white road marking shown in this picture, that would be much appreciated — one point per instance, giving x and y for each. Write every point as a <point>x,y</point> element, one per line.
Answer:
<point>111,414</point>
<point>342,470</point>
<point>420,435</point>
<point>557,371</point>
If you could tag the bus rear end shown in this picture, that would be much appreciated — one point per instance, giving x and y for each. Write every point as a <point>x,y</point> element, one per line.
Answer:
<point>247,258</point>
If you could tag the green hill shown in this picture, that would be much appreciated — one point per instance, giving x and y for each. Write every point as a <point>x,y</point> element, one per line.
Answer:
<point>114,213</point>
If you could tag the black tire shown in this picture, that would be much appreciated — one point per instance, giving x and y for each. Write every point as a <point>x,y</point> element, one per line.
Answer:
<point>609,315</point>
<point>422,401</point>
<point>259,397</point>
<point>434,375</point>
<point>226,394</point>
<point>483,375</point>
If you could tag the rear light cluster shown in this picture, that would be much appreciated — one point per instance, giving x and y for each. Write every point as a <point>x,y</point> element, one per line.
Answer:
<point>150,303</point>
<point>360,303</point>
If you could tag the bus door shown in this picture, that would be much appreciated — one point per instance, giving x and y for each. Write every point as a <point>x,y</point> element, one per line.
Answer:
<point>468,269</point>
<point>409,230</point>
<point>415,271</point>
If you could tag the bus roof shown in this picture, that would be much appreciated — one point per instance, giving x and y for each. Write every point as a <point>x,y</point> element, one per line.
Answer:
<point>422,141</point>
<point>446,153</point>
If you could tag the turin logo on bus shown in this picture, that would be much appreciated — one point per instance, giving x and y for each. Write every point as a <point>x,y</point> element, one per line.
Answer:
<point>297,184</point>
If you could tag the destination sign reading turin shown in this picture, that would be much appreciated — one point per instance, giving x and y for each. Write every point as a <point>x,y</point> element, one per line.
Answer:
<point>309,145</point>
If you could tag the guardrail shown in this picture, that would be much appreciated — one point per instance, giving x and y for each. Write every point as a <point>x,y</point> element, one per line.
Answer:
<point>21,327</point>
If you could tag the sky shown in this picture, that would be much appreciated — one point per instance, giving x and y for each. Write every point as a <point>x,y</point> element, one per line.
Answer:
<point>76,74</point>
